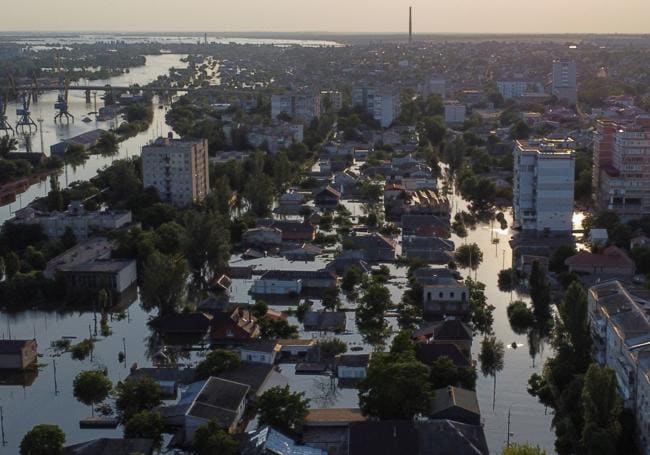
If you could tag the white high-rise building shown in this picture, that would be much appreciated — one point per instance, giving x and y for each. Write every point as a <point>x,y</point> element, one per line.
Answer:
<point>177,169</point>
<point>383,104</point>
<point>564,83</point>
<point>543,185</point>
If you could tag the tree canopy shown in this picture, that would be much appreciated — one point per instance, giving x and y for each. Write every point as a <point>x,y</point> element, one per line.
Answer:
<point>43,440</point>
<point>282,409</point>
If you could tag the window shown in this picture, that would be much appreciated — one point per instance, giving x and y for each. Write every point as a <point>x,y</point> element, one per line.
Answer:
<point>440,295</point>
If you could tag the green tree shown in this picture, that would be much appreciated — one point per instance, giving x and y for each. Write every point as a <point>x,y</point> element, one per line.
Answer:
<point>331,300</point>
<point>216,362</point>
<point>170,238</point>
<point>370,313</point>
<point>54,197</point>
<point>259,309</point>
<point>69,239</point>
<point>443,373</point>
<point>277,328</point>
<point>395,387</point>
<point>163,283</point>
<point>540,292</point>
<point>7,144</point>
<point>208,243</point>
<point>108,144</point>
<point>211,439</point>
<point>43,440</point>
<point>330,348</point>
<point>91,387</point>
<point>521,318</point>
<point>507,280</point>
<point>351,278</point>
<point>136,394</point>
<point>12,264</point>
<point>492,358</point>
<point>469,256</point>
<point>482,314</point>
<point>556,262</point>
<point>573,333</point>
<point>602,410</point>
<point>522,449</point>
<point>282,409</point>
<point>259,194</point>
<point>145,425</point>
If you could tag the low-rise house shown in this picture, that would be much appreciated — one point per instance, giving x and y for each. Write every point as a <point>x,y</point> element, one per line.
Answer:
<point>259,351</point>
<point>431,437</point>
<point>268,441</point>
<point>328,429</point>
<point>351,368</point>
<point>18,354</point>
<point>276,282</point>
<point>611,262</point>
<point>296,348</point>
<point>112,446</point>
<point>213,399</point>
<point>457,404</point>
<point>429,353</point>
<point>341,264</point>
<point>376,247</point>
<point>448,331</point>
<point>88,268</point>
<point>167,378</point>
<point>292,231</point>
<point>445,296</point>
<point>425,225</point>
<point>184,323</point>
<point>327,198</point>
<point>325,321</point>
<point>432,250</point>
<point>262,236</point>
<point>87,140</point>
<point>639,240</point>
<point>346,183</point>
<point>304,252</point>
<point>238,324</point>
<point>252,253</point>
<point>292,198</point>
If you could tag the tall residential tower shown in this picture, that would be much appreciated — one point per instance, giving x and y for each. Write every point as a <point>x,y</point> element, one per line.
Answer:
<point>177,169</point>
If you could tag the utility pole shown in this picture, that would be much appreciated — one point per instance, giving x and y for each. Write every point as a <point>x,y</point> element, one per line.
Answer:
<point>2,425</point>
<point>40,128</point>
<point>56,386</point>
<point>508,437</point>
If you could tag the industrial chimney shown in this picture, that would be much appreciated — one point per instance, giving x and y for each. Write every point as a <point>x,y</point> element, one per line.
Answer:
<point>410,24</point>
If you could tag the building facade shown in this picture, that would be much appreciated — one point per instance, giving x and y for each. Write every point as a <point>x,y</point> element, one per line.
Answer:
<point>620,328</point>
<point>564,84</point>
<point>177,169</point>
<point>304,106</point>
<point>543,185</point>
<point>622,167</point>
<point>383,104</point>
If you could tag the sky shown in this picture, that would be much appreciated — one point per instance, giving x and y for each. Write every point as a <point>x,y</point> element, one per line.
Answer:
<point>336,16</point>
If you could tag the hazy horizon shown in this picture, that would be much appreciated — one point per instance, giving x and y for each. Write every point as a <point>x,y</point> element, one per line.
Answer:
<point>333,16</point>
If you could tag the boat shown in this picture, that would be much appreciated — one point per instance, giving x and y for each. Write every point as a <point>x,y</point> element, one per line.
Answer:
<point>86,120</point>
<point>99,422</point>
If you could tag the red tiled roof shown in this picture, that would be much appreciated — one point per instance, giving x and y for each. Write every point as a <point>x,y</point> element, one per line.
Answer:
<point>610,257</point>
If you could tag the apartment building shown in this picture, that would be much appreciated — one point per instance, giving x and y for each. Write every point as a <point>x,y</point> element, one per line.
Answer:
<point>543,184</point>
<point>619,319</point>
<point>303,106</point>
<point>563,83</point>
<point>621,175</point>
<point>177,169</point>
<point>383,104</point>
<point>331,100</point>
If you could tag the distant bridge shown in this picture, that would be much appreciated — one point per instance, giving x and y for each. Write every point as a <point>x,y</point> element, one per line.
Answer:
<point>126,88</point>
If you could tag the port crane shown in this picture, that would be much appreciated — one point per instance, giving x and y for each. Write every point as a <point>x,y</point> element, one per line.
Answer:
<point>62,100</point>
<point>25,122</point>
<point>62,105</point>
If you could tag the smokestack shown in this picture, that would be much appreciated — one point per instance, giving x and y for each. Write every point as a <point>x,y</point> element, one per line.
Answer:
<point>410,24</point>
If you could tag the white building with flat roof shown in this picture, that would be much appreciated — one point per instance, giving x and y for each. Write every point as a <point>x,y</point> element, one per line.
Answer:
<point>543,185</point>
<point>455,113</point>
<point>177,169</point>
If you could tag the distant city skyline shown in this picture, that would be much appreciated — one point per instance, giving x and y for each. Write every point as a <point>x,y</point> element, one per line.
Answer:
<point>336,16</point>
